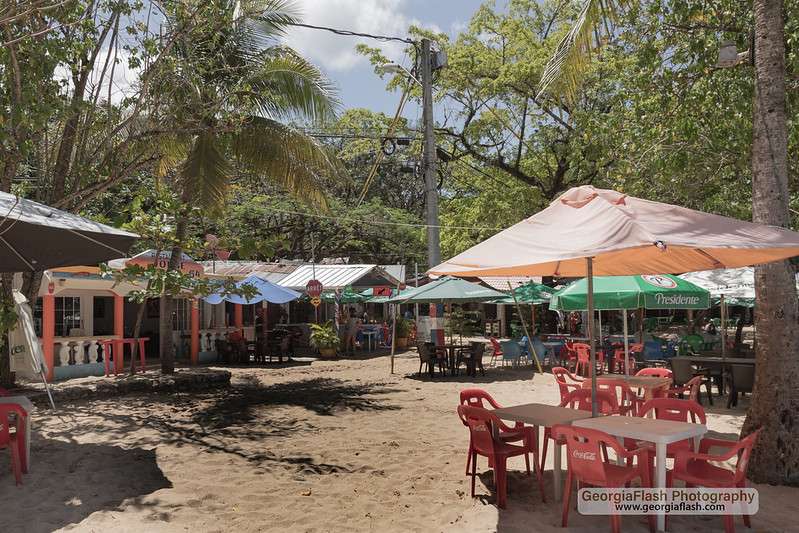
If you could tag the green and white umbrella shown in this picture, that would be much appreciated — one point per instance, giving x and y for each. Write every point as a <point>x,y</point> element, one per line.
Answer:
<point>447,290</point>
<point>632,292</point>
<point>529,293</point>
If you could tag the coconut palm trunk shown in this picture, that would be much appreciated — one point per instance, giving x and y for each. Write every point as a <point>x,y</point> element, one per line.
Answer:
<point>775,401</point>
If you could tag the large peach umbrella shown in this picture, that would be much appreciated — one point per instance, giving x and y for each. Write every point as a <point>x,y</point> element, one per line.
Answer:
<point>589,231</point>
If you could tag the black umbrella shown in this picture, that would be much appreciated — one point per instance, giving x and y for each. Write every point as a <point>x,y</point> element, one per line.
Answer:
<point>35,237</point>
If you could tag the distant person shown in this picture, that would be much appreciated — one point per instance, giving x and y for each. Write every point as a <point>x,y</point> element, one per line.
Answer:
<point>352,332</point>
<point>408,315</point>
<point>365,317</point>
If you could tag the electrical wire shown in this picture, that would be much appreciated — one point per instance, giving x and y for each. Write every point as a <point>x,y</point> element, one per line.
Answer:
<point>353,33</point>
<point>376,222</point>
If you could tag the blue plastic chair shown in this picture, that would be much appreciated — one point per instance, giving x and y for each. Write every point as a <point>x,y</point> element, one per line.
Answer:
<point>671,349</point>
<point>653,351</point>
<point>511,351</point>
<point>542,352</point>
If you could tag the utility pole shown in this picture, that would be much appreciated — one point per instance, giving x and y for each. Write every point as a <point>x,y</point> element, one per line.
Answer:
<point>430,188</point>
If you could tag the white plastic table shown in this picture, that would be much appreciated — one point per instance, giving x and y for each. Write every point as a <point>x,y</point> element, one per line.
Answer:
<point>543,415</point>
<point>369,336</point>
<point>26,404</point>
<point>661,432</point>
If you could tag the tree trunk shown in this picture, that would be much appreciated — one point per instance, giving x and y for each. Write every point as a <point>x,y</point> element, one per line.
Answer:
<point>168,300</point>
<point>775,401</point>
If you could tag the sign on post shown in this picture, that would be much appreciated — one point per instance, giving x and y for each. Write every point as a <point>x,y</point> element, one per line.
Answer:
<point>314,288</point>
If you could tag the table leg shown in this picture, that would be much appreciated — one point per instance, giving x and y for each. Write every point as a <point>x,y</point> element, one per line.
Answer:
<point>660,480</point>
<point>28,424</point>
<point>556,486</point>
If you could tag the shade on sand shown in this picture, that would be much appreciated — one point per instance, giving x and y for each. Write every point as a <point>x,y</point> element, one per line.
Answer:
<point>590,231</point>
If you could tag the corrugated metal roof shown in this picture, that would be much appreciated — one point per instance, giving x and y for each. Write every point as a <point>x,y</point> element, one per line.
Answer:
<point>339,276</point>
<point>273,272</point>
<point>500,283</point>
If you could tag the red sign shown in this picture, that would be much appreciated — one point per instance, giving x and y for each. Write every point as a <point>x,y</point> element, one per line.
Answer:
<point>402,286</point>
<point>51,287</point>
<point>314,288</point>
<point>381,291</point>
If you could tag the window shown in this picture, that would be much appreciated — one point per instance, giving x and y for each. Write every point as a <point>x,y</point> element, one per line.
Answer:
<point>67,315</point>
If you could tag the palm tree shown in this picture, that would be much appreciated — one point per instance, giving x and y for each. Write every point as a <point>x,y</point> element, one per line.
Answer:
<point>230,90</point>
<point>773,405</point>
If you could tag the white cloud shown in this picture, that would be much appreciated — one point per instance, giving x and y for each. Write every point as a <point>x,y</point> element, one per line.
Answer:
<point>336,53</point>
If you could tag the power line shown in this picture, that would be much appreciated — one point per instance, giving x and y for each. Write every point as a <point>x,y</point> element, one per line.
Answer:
<point>374,222</point>
<point>354,33</point>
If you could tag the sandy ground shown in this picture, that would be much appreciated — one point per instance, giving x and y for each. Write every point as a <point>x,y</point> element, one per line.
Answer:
<point>340,445</point>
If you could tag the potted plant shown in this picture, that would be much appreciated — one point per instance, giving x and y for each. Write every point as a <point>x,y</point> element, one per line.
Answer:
<point>325,338</point>
<point>402,329</point>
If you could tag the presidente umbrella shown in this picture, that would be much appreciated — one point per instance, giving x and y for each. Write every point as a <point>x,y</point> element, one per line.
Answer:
<point>35,237</point>
<point>631,292</point>
<point>589,231</point>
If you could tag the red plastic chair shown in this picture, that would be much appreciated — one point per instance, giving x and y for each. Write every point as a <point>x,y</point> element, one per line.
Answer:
<point>497,351</point>
<point>581,399</point>
<point>618,363</point>
<point>589,465</point>
<point>14,440</point>
<point>625,397</point>
<point>655,372</point>
<point>692,388</point>
<point>4,392</point>
<point>519,432</point>
<point>583,352</point>
<point>566,381</point>
<point>696,469</point>
<point>671,409</point>
<point>482,425</point>
<point>567,352</point>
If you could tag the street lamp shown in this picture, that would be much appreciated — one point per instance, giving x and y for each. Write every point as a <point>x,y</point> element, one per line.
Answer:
<point>429,156</point>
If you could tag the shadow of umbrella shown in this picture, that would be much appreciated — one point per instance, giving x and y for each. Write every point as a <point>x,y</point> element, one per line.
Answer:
<point>78,480</point>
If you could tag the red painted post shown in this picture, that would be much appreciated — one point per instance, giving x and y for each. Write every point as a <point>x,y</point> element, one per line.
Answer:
<point>195,332</point>
<point>48,332</point>
<point>238,319</point>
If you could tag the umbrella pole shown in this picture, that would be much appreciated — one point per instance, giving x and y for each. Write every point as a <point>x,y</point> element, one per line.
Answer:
<point>524,327</point>
<point>47,387</point>
<point>592,343</point>
<point>723,329</point>
<point>626,346</point>
<point>393,330</point>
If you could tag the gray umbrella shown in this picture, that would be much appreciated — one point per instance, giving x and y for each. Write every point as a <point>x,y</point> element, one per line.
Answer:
<point>36,237</point>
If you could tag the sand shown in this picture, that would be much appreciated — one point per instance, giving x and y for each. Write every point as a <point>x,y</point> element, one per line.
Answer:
<point>340,445</point>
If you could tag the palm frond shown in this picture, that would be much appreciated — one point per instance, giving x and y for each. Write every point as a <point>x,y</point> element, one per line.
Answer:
<point>286,86</point>
<point>286,157</point>
<point>205,174</point>
<point>565,72</point>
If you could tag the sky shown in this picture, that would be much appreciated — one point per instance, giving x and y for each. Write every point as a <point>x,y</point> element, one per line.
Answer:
<point>359,85</point>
